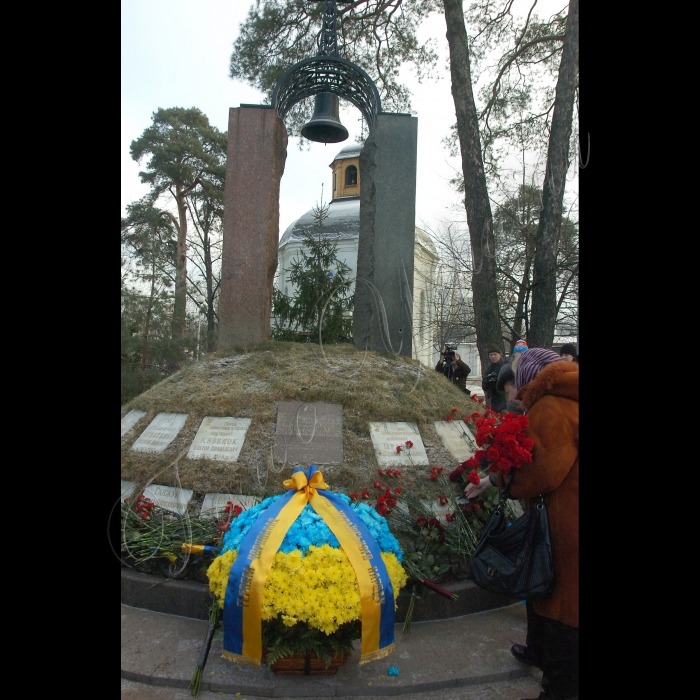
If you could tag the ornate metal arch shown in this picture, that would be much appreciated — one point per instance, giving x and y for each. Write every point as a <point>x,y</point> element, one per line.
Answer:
<point>327,74</point>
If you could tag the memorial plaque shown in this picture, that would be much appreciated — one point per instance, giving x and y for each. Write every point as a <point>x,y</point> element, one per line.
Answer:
<point>456,438</point>
<point>386,437</point>
<point>161,431</point>
<point>127,489</point>
<point>214,503</point>
<point>130,420</point>
<point>309,433</point>
<point>437,510</point>
<point>169,497</point>
<point>219,438</point>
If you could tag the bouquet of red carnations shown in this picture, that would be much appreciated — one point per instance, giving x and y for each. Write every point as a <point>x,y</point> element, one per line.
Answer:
<point>504,446</point>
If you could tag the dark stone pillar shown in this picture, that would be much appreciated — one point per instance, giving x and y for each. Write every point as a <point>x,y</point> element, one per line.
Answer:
<point>257,150</point>
<point>387,235</point>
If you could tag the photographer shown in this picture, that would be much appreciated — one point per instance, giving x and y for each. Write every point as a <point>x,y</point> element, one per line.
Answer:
<point>495,399</point>
<point>451,365</point>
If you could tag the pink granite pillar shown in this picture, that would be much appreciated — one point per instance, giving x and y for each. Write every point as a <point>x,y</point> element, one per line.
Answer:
<point>257,150</point>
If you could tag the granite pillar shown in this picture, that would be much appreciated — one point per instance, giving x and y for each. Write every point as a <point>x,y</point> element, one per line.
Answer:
<point>255,158</point>
<point>385,253</point>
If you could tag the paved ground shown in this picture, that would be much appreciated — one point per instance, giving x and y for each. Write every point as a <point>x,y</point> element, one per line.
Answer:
<point>462,658</point>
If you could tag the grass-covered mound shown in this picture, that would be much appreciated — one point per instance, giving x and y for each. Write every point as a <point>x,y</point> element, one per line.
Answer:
<point>370,386</point>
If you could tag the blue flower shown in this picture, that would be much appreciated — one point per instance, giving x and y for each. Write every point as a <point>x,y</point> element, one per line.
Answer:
<point>310,529</point>
<point>393,671</point>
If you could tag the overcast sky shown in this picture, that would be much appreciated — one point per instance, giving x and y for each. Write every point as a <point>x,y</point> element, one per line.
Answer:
<point>175,53</point>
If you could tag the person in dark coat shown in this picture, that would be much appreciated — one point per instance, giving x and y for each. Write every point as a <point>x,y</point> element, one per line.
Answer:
<point>454,369</point>
<point>568,353</point>
<point>505,384</point>
<point>490,378</point>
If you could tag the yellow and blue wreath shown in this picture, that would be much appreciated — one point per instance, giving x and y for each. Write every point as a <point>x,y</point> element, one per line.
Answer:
<point>308,556</point>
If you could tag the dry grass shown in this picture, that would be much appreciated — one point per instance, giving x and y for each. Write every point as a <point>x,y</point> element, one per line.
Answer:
<point>249,383</point>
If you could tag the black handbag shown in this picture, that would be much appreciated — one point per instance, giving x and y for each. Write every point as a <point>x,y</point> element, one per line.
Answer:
<point>515,560</point>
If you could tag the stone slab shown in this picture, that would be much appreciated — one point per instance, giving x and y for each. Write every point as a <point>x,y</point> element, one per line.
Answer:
<point>456,438</point>
<point>127,489</point>
<point>214,503</point>
<point>386,244</point>
<point>161,431</point>
<point>255,158</point>
<point>169,497</point>
<point>385,438</point>
<point>130,420</point>
<point>219,438</point>
<point>309,433</point>
<point>438,511</point>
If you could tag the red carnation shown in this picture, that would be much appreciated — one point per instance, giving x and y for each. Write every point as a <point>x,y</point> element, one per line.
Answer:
<point>409,444</point>
<point>353,496</point>
<point>449,517</point>
<point>473,478</point>
<point>454,410</point>
<point>365,494</point>
<point>444,500</point>
<point>398,490</point>
<point>448,417</point>
<point>398,449</point>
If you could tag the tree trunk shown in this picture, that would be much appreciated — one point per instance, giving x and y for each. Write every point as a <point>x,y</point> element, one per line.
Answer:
<point>209,272</point>
<point>520,313</point>
<point>149,313</point>
<point>544,294</point>
<point>476,199</point>
<point>179,317</point>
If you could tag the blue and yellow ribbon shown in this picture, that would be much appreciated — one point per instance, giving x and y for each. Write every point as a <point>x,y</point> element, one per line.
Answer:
<point>244,592</point>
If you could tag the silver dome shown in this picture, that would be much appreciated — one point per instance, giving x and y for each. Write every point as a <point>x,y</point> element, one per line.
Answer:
<point>343,221</point>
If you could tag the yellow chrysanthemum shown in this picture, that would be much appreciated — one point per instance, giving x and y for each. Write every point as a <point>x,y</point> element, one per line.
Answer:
<point>319,588</point>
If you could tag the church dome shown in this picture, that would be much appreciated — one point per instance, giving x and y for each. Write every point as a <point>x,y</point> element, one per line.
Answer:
<point>352,150</point>
<point>343,221</point>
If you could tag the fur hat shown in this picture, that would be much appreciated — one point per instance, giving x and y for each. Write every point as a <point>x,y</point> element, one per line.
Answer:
<point>520,346</point>
<point>568,349</point>
<point>505,375</point>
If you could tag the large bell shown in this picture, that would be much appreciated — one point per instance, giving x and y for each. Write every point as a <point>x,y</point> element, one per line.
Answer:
<point>325,126</point>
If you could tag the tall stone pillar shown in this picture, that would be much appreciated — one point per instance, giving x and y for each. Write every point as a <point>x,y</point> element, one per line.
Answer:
<point>385,252</point>
<point>255,157</point>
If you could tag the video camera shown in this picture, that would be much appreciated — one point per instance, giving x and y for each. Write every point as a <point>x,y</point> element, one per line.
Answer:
<point>449,355</point>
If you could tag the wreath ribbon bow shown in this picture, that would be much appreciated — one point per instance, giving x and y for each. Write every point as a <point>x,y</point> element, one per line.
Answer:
<point>245,590</point>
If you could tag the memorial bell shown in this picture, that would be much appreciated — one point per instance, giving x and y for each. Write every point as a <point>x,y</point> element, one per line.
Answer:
<point>324,125</point>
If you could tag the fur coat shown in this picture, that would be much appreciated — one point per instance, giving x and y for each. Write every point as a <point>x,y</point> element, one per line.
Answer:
<point>551,402</point>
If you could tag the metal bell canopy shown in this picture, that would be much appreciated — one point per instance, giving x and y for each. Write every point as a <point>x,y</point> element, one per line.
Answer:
<point>327,73</point>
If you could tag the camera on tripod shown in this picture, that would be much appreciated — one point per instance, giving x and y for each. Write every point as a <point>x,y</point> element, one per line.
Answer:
<point>449,355</point>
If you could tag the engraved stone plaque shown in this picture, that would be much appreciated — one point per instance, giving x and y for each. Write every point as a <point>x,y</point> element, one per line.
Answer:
<point>385,438</point>
<point>214,503</point>
<point>130,420</point>
<point>127,489</point>
<point>219,438</point>
<point>169,497</point>
<point>160,432</point>
<point>309,433</point>
<point>438,511</point>
<point>457,438</point>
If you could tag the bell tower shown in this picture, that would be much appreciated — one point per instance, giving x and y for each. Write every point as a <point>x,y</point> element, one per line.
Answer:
<point>346,172</point>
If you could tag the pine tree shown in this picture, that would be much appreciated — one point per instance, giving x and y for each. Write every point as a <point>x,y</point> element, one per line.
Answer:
<point>320,287</point>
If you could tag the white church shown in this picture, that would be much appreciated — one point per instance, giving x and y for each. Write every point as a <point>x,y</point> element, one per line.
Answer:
<point>343,226</point>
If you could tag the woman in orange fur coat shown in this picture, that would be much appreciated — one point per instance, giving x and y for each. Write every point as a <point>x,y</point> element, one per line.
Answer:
<point>548,389</point>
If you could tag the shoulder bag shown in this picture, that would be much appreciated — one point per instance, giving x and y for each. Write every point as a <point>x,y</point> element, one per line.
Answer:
<point>515,559</point>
